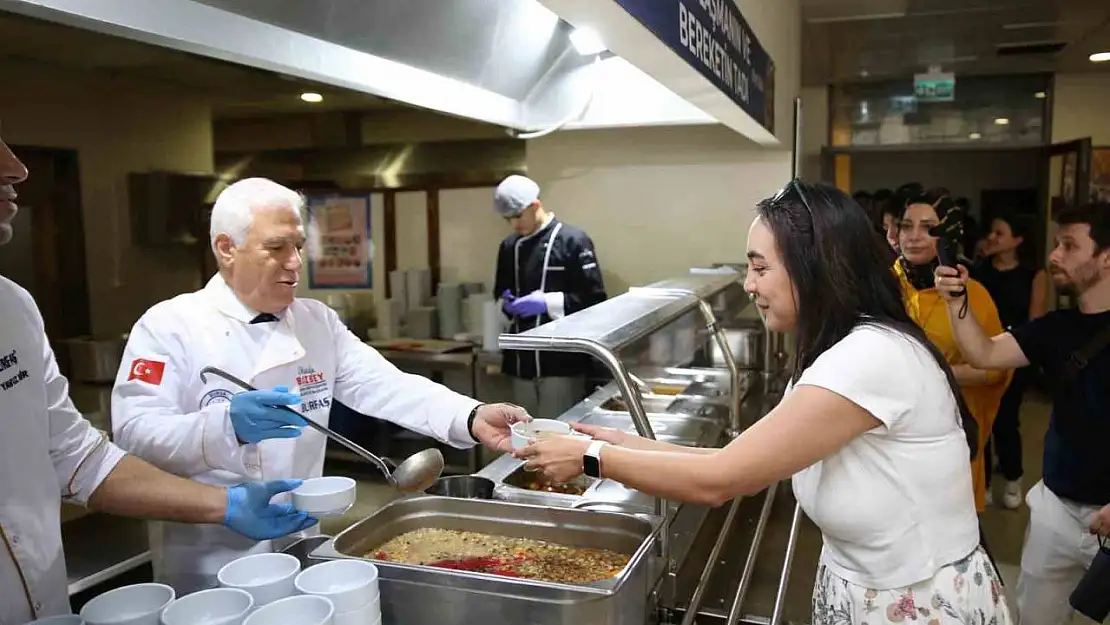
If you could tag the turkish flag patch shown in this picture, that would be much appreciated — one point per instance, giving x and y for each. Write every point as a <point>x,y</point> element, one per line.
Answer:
<point>149,371</point>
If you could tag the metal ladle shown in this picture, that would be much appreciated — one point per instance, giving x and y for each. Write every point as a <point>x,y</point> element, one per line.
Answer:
<point>417,473</point>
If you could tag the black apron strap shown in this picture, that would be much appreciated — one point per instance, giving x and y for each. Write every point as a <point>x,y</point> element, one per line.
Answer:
<point>1080,358</point>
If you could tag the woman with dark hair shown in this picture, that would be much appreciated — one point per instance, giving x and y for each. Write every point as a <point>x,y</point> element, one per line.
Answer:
<point>1020,290</point>
<point>982,390</point>
<point>872,428</point>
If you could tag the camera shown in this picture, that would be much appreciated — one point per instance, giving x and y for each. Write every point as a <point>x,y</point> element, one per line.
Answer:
<point>949,232</point>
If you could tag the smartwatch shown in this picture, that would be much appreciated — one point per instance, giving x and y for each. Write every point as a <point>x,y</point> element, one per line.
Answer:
<point>591,460</point>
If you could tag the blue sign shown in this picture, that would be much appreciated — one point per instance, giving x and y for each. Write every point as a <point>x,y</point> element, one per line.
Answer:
<point>713,37</point>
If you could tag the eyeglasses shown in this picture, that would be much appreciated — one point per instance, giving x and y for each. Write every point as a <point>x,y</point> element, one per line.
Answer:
<point>795,185</point>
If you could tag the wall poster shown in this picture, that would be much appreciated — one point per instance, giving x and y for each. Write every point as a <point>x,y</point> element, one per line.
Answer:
<point>340,250</point>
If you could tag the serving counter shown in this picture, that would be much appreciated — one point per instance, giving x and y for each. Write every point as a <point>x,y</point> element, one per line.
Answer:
<point>686,561</point>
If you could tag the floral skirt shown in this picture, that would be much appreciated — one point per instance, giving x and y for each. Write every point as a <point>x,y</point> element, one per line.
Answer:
<point>968,592</point>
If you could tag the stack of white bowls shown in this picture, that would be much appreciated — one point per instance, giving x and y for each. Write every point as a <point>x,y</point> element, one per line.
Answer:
<point>141,604</point>
<point>218,606</point>
<point>267,577</point>
<point>350,585</point>
<point>296,610</point>
<point>261,589</point>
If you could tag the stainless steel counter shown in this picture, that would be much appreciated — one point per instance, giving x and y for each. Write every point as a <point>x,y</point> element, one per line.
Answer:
<point>100,546</point>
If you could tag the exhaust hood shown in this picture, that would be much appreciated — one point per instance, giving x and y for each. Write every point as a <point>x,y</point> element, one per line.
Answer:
<point>512,63</point>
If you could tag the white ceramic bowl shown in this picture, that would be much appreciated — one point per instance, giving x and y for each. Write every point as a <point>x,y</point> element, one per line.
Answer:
<point>217,606</point>
<point>266,576</point>
<point>324,496</point>
<point>299,610</point>
<point>525,432</point>
<point>69,619</point>
<point>349,584</point>
<point>140,604</point>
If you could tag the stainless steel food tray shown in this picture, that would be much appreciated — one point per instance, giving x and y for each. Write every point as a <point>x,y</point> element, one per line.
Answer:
<point>422,594</point>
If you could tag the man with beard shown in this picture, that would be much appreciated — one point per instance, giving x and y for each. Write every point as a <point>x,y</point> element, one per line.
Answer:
<point>1070,507</point>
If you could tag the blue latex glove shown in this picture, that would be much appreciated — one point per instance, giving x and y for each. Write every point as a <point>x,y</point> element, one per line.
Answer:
<point>256,417</point>
<point>530,305</point>
<point>507,298</point>
<point>250,512</point>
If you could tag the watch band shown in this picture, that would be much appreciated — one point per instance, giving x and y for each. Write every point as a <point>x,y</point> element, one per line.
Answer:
<point>470,422</point>
<point>591,460</point>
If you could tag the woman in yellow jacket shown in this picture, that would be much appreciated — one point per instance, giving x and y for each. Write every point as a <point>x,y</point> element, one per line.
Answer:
<point>982,390</point>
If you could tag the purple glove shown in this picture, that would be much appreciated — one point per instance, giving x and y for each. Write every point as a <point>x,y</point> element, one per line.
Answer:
<point>530,305</point>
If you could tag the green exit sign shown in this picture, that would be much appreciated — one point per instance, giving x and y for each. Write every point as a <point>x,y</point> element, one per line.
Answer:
<point>935,87</point>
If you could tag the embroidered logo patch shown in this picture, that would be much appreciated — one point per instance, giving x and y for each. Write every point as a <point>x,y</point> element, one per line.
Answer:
<point>216,396</point>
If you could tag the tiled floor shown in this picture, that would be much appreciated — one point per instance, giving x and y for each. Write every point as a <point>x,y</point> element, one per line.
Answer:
<point>1005,529</point>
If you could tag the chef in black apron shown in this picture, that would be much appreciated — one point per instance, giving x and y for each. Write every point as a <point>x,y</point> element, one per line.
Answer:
<point>546,270</point>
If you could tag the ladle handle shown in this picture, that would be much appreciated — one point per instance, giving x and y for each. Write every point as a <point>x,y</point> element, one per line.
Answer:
<point>326,431</point>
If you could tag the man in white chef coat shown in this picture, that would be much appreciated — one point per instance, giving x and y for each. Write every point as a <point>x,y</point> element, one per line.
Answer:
<point>50,454</point>
<point>247,321</point>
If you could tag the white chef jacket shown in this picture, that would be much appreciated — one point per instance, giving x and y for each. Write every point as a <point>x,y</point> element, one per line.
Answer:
<point>163,412</point>
<point>48,453</point>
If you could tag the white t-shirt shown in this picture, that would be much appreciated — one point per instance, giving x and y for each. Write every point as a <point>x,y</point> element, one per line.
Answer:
<point>896,504</point>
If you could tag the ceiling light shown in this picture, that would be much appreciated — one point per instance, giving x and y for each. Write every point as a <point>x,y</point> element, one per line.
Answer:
<point>587,41</point>
<point>1002,121</point>
<point>1100,57</point>
<point>1040,95</point>
<point>975,136</point>
<point>313,97</point>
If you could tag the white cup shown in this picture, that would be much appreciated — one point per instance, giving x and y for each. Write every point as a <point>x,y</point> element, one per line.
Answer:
<point>524,432</point>
<point>141,604</point>
<point>349,584</point>
<point>68,619</point>
<point>325,496</point>
<point>298,610</point>
<point>268,577</point>
<point>217,606</point>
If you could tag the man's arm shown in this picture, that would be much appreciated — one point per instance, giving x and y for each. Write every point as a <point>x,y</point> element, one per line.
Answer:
<point>136,489</point>
<point>147,419</point>
<point>139,490</point>
<point>368,383</point>
<point>982,352</point>
<point>982,308</point>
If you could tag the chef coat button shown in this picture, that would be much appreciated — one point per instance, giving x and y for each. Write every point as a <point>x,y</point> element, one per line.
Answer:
<point>38,606</point>
<point>15,540</point>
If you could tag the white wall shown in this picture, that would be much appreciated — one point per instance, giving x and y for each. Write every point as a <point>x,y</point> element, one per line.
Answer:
<point>117,126</point>
<point>657,201</point>
<point>469,234</point>
<point>1080,108</point>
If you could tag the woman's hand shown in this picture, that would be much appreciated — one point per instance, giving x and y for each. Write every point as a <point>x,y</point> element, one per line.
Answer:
<point>559,458</point>
<point>596,432</point>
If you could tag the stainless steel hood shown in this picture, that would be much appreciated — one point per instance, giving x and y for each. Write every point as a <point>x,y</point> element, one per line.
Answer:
<point>504,46</point>
<point>478,59</point>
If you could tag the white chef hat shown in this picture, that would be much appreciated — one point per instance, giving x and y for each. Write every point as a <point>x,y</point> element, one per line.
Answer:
<point>515,194</point>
